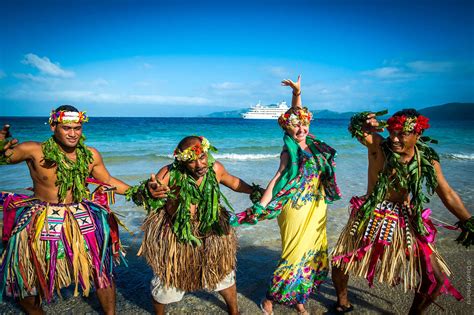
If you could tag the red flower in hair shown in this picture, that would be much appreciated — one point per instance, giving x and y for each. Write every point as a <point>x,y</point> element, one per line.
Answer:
<point>197,149</point>
<point>421,124</point>
<point>395,123</point>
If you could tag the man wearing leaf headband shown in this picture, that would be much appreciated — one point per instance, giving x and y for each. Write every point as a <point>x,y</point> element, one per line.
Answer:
<point>389,235</point>
<point>62,234</point>
<point>188,241</point>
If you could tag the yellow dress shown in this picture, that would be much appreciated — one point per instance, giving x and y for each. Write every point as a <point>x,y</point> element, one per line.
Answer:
<point>304,258</point>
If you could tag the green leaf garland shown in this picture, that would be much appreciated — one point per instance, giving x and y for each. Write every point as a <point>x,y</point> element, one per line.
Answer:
<point>357,126</point>
<point>71,175</point>
<point>187,192</point>
<point>399,176</point>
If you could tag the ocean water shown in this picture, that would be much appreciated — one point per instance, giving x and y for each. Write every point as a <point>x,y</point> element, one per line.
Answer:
<point>133,148</point>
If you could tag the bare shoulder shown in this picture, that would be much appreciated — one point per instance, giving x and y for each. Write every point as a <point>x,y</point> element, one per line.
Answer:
<point>219,168</point>
<point>96,156</point>
<point>29,149</point>
<point>163,175</point>
<point>94,151</point>
<point>29,145</point>
<point>437,166</point>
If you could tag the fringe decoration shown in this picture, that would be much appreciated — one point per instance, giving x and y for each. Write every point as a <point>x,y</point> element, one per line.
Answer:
<point>183,265</point>
<point>36,259</point>
<point>390,260</point>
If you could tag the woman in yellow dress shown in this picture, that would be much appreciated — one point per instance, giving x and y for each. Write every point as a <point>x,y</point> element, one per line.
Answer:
<point>298,195</point>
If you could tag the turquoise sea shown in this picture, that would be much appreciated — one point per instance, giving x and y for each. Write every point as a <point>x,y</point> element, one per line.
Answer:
<point>133,148</point>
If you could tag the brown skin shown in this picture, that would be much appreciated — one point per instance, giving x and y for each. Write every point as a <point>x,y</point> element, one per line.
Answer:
<point>44,177</point>
<point>403,144</point>
<point>198,169</point>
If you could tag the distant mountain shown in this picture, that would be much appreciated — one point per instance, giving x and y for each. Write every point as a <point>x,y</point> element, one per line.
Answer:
<point>227,114</point>
<point>450,111</point>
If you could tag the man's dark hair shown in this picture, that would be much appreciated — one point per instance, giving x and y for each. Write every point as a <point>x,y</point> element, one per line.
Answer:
<point>187,141</point>
<point>409,112</point>
<point>67,108</point>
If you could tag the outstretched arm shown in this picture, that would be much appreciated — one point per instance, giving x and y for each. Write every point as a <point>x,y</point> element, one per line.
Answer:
<point>449,197</point>
<point>267,196</point>
<point>10,151</point>
<point>229,180</point>
<point>296,91</point>
<point>454,204</point>
<point>100,172</point>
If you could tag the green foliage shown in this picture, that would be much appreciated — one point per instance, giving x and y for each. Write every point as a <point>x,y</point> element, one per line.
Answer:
<point>466,237</point>
<point>140,195</point>
<point>206,196</point>
<point>187,192</point>
<point>3,158</point>
<point>357,126</point>
<point>256,194</point>
<point>70,175</point>
<point>410,177</point>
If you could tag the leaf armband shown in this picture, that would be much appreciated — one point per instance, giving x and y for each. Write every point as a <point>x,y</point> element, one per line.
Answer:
<point>140,195</point>
<point>466,238</point>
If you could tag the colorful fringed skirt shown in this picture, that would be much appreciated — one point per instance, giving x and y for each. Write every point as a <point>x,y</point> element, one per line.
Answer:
<point>388,249</point>
<point>51,246</point>
<point>185,266</point>
<point>304,259</point>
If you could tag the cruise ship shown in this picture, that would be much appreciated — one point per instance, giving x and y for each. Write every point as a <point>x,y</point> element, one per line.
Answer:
<point>260,111</point>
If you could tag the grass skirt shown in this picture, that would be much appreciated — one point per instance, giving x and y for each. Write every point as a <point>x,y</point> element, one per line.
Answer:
<point>51,246</point>
<point>185,266</point>
<point>387,249</point>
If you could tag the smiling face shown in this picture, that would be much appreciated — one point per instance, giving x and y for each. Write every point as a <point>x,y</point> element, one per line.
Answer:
<point>298,132</point>
<point>67,135</point>
<point>403,142</point>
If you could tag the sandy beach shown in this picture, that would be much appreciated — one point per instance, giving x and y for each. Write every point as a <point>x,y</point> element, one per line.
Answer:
<point>255,265</point>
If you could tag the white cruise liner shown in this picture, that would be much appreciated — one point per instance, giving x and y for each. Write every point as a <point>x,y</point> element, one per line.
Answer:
<point>260,111</point>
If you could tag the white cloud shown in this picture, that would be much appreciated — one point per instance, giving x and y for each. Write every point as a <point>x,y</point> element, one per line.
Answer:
<point>389,73</point>
<point>34,78</point>
<point>226,86</point>
<point>2,74</point>
<point>279,72</point>
<point>430,66</point>
<point>100,82</point>
<point>143,83</point>
<point>45,66</point>
<point>78,96</point>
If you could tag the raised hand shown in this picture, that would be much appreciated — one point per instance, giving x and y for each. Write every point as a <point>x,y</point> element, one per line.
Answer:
<point>372,124</point>
<point>156,188</point>
<point>296,86</point>
<point>4,135</point>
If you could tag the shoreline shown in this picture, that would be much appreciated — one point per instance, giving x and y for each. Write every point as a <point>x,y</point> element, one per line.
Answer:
<point>255,264</point>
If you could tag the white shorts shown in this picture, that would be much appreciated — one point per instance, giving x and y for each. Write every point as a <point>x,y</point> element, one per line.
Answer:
<point>170,295</point>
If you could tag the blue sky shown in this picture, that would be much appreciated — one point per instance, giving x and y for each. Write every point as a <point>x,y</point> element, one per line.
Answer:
<point>179,58</point>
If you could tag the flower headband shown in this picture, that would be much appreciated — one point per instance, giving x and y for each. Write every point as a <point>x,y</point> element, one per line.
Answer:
<point>64,117</point>
<point>293,118</point>
<point>408,124</point>
<point>194,152</point>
